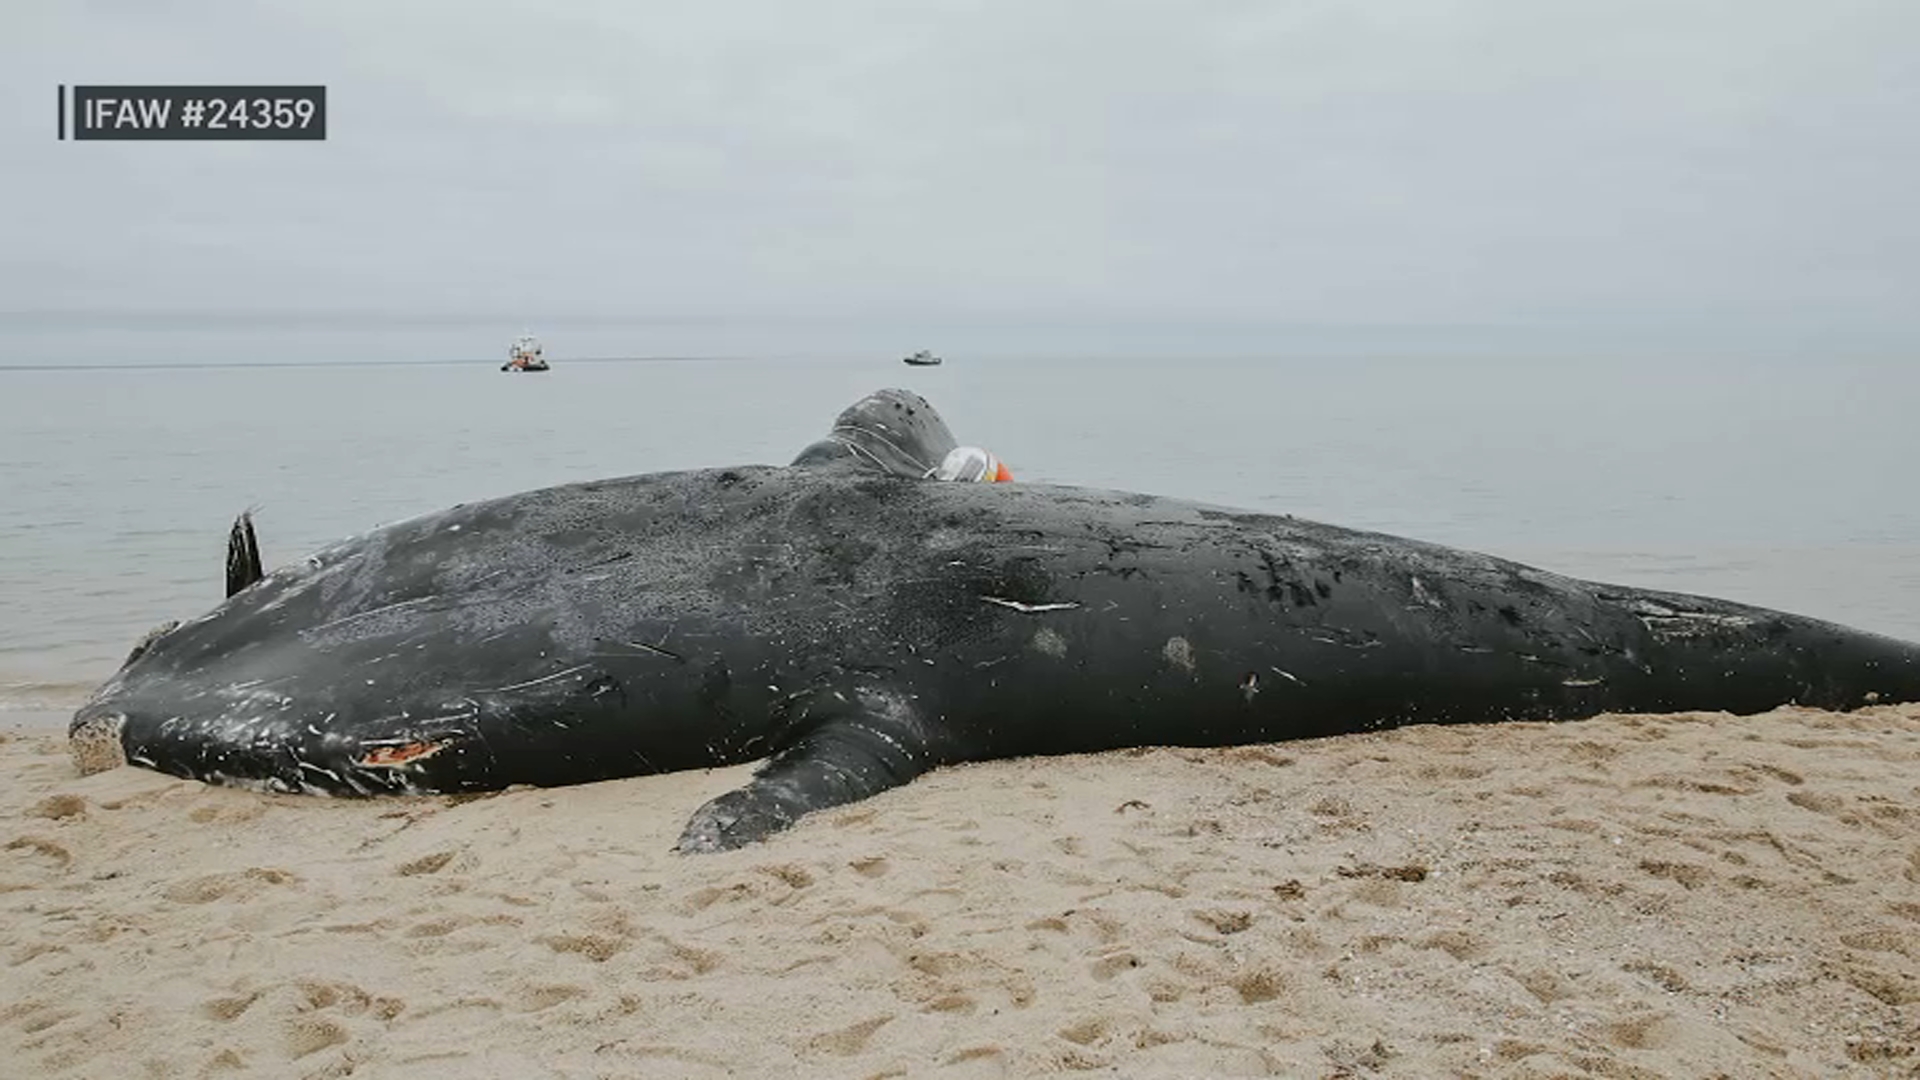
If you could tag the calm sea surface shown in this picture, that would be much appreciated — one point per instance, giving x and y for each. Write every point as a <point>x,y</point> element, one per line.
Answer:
<point>1787,485</point>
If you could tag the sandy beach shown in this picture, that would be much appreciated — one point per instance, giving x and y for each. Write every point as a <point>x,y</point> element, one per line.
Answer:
<point>1689,895</point>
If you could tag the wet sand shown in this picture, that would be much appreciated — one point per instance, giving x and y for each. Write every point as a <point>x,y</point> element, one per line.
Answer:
<point>1688,895</point>
<point>34,721</point>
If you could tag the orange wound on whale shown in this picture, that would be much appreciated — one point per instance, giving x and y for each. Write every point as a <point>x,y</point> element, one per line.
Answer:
<point>392,757</point>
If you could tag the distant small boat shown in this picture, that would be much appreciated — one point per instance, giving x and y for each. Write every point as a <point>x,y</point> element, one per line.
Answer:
<point>525,355</point>
<point>923,358</point>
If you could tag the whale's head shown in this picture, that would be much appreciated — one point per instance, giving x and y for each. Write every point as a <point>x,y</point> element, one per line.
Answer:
<point>896,432</point>
<point>93,735</point>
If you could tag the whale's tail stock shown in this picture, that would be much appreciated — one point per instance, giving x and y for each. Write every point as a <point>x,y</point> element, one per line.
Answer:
<point>243,554</point>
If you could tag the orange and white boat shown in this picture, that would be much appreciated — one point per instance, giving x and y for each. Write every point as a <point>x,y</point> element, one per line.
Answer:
<point>525,355</point>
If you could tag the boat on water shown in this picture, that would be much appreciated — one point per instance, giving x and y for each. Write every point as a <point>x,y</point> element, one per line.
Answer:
<point>923,358</point>
<point>525,355</point>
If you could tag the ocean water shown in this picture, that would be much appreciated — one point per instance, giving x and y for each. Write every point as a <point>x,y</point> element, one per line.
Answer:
<point>1786,484</point>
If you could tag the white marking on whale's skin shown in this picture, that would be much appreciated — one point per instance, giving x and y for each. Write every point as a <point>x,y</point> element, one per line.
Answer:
<point>1666,623</point>
<point>1065,605</point>
<point>1287,675</point>
<point>859,451</point>
<point>655,649</point>
<point>369,613</point>
<point>1049,641</point>
<point>1179,652</point>
<point>530,682</point>
<point>1581,682</point>
<point>310,767</point>
<point>1422,596</point>
<point>1375,644</point>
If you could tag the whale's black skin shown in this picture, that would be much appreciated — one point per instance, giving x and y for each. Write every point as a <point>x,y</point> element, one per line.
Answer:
<point>860,628</point>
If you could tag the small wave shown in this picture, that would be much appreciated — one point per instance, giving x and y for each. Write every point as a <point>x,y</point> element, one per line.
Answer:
<point>43,696</point>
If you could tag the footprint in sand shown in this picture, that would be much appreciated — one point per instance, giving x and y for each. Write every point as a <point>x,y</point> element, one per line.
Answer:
<point>1883,939</point>
<point>669,959</point>
<point>1818,802</point>
<point>849,1040</point>
<point>1087,1032</point>
<point>1106,967</point>
<point>46,1018</point>
<point>796,876</point>
<point>594,947</point>
<point>57,807</point>
<point>44,848</point>
<point>543,996</point>
<point>951,1003</point>
<point>873,866</point>
<point>1662,976</point>
<point>1455,943</point>
<point>1687,874</point>
<point>228,1008</point>
<point>1546,985</point>
<point>953,982</point>
<point>1258,985</point>
<point>227,814</point>
<point>768,885</point>
<point>348,998</point>
<point>312,1034</point>
<point>426,864</point>
<point>1224,921</point>
<point>993,1054</point>
<point>1650,1031</point>
<point>1785,776</point>
<point>241,886</point>
<point>437,927</point>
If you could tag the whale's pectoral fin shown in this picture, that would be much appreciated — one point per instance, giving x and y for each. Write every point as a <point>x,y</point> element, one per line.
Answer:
<point>243,554</point>
<point>840,761</point>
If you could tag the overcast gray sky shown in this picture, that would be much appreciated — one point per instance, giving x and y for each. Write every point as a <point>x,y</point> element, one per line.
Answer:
<point>1747,167</point>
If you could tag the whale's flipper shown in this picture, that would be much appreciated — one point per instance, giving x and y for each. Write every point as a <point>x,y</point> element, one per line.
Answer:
<point>842,760</point>
<point>243,554</point>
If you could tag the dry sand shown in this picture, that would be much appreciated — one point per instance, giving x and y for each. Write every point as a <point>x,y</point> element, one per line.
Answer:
<point>1691,896</point>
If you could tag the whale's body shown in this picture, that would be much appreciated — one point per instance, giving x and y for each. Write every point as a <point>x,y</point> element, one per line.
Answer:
<point>860,629</point>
